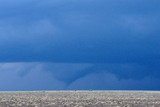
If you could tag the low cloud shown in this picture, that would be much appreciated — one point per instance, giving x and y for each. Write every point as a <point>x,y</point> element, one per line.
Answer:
<point>72,76</point>
<point>109,81</point>
<point>13,78</point>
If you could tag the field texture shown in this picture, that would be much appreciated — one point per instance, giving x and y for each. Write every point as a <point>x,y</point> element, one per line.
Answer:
<point>80,99</point>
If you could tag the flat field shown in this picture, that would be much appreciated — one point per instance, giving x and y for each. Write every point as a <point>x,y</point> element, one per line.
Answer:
<point>80,99</point>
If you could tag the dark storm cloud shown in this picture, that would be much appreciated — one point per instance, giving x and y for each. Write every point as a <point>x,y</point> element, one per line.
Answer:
<point>77,41</point>
<point>80,31</point>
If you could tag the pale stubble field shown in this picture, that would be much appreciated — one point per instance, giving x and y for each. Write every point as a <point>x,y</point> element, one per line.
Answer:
<point>80,99</point>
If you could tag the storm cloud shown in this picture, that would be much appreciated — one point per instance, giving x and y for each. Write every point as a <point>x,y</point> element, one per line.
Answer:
<point>71,41</point>
<point>80,31</point>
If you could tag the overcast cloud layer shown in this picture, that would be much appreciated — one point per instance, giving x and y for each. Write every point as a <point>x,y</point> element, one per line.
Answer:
<point>115,40</point>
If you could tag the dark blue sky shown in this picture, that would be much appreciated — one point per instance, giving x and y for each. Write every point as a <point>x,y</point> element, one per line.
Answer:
<point>85,44</point>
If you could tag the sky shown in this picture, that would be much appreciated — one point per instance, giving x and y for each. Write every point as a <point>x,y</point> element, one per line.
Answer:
<point>79,45</point>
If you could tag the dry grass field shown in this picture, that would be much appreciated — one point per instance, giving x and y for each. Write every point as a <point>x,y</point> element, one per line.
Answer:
<point>80,99</point>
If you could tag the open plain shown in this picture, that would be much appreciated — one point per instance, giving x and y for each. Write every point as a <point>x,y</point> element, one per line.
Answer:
<point>80,99</point>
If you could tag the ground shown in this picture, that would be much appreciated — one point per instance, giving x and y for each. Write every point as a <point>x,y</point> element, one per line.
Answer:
<point>80,99</point>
